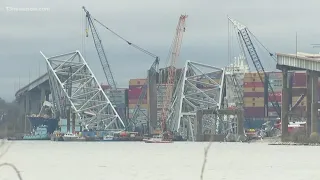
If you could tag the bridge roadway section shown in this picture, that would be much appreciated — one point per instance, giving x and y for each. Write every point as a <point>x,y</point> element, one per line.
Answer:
<point>300,62</point>
<point>31,96</point>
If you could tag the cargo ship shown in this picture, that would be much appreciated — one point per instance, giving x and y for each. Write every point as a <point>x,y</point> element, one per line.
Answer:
<point>44,118</point>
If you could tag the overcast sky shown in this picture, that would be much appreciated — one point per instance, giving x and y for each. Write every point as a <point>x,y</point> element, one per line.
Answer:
<point>148,23</point>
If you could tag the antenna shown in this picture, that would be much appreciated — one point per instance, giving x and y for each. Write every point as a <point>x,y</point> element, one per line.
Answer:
<point>296,45</point>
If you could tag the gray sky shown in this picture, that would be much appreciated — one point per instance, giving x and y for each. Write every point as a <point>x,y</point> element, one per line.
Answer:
<point>148,23</point>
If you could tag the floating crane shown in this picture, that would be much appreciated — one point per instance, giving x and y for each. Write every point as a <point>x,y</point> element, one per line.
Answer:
<point>173,58</point>
<point>131,123</point>
<point>101,53</point>
<point>243,34</point>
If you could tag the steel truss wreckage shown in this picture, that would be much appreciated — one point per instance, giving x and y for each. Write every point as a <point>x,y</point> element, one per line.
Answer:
<point>200,87</point>
<point>76,91</point>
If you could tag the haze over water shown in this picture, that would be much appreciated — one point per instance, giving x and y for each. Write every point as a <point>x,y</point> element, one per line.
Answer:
<point>46,160</point>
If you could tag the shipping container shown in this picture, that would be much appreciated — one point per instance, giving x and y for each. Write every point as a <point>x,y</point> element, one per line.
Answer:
<point>299,91</point>
<point>117,96</point>
<point>299,79</point>
<point>296,98</point>
<point>275,94</point>
<point>137,81</point>
<point>253,74</point>
<point>254,104</point>
<point>254,112</point>
<point>253,99</point>
<point>135,101</point>
<point>270,103</point>
<point>275,75</point>
<point>142,106</point>
<point>274,98</point>
<point>272,114</point>
<point>135,86</point>
<point>252,79</point>
<point>275,83</point>
<point>134,93</point>
<point>252,84</point>
<point>254,89</point>
<point>300,109</point>
<point>253,94</point>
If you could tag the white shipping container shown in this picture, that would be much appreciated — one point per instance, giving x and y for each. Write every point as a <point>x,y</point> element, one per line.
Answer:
<point>116,96</point>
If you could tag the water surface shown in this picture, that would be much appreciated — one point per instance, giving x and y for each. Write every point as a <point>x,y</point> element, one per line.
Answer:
<point>47,160</point>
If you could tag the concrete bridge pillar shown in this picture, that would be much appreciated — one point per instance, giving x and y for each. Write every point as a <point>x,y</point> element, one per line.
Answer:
<point>309,100</point>
<point>314,103</point>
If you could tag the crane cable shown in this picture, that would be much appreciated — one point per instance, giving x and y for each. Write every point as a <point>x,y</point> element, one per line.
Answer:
<point>128,42</point>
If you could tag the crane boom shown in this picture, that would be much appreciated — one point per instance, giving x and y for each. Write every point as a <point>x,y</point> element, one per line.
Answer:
<point>100,50</point>
<point>175,52</point>
<point>243,33</point>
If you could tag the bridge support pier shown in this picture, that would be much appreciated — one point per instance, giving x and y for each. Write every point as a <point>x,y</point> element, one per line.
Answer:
<point>308,104</point>
<point>314,102</point>
<point>285,105</point>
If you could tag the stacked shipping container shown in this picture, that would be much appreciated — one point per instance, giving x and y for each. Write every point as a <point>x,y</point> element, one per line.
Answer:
<point>135,89</point>
<point>119,100</point>
<point>275,80</point>
<point>64,129</point>
<point>253,94</point>
<point>299,86</point>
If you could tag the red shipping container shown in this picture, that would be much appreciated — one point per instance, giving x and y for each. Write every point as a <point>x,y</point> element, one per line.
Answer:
<point>276,98</point>
<point>254,112</point>
<point>253,94</point>
<point>299,79</point>
<point>253,84</point>
<point>134,93</point>
<point>135,86</point>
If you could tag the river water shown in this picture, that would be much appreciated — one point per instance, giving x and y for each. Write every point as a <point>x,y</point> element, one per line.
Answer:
<point>47,160</point>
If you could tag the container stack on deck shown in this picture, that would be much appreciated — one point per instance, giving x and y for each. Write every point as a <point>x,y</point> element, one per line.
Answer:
<point>64,128</point>
<point>119,100</point>
<point>135,89</point>
<point>275,79</point>
<point>299,86</point>
<point>254,103</point>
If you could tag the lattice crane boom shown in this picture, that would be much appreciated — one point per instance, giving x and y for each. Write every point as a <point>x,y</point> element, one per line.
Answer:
<point>243,32</point>
<point>100,50</point>
<point>173,58</point>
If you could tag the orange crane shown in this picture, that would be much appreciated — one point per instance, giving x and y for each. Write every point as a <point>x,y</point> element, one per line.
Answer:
<point>173,57</point>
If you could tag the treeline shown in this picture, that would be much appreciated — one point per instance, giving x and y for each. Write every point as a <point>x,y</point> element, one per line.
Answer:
<point>9,117</point>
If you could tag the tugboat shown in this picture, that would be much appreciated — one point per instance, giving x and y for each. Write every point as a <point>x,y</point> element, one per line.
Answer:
<point>161,138</point>
<point>70,137</point>
<point>40,133</point>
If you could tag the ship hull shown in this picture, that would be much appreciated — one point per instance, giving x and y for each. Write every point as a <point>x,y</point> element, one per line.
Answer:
<point>50,122</point>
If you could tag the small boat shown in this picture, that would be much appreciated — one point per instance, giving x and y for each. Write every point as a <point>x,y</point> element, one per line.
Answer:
<point>70,137</point>
<point>157,139</point>
<point>40,133</point>
<point>108,138</point>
